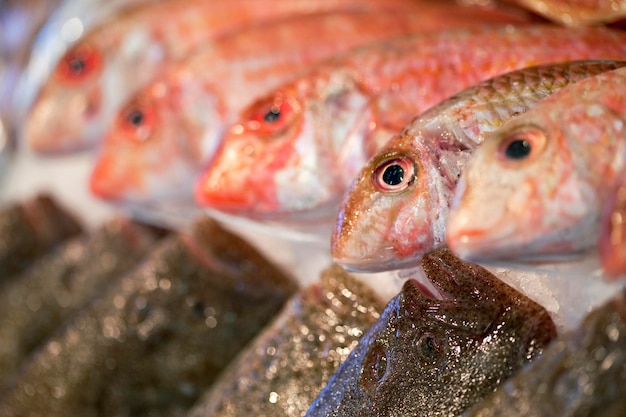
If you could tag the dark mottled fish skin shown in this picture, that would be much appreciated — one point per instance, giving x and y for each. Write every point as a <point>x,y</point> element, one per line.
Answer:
<point>30,229</point>
<point>287,365</point>
<point>35,303</point>
<point>428,357</point>
<point>583,373</point>
<point>159,336</point>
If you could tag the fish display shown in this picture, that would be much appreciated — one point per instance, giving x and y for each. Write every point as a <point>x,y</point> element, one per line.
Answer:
<point>169,130</point>
<point>99,72</point>
<point>294,152</point>
<point>436,356</point>
<point>535,188</point>
<point>282,371</point>
<point>35,303</point>
<point>156,338</point>
<point>577,12</point>
<point>30,229</point>
<point>580,374</point>
<point>396,209</point>
<point>612,235</point>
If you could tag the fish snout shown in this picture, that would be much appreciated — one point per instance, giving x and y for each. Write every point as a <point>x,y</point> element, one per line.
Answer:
<point>104,183</point>
<point>214,191</point>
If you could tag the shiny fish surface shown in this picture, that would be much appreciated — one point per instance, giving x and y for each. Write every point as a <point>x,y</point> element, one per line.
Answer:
<point>612,238</point>
<point>106,65</point>
<point>285,368</point>
<point>577,12</point>
<point>166,133</point>
<point>294,152</point>
<point>582,373</point>
<point>436,357</point>
<point>31,228</point>
<point>158,337</point>
<point>35,303</point>
<point>396,209</point>
<point>536,187</point>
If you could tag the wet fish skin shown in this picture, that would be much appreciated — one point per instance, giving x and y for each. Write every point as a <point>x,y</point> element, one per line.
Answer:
<point>383,226</point>
<point>287,365</point>
<point>151,343</point>
<point>546,175</point>
<point>577,12</point>
<point>437,357</point>
<point>167,132</point>
<point>322,128</point>
<point>581,373</point>
<point>31,228</point>
<point>612,235</point>
<point>37,301</point>
<point>170,128</point>
<point>93,78</point>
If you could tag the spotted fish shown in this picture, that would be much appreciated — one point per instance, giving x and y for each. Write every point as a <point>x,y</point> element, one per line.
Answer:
<point>436,357</point>
<point>580,374</point>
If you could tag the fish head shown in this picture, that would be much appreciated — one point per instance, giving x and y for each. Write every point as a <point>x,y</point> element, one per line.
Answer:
<point>80,99</point>
<point>279,159</point>
<point>394,212</point>
<point>532,189</point>
<point>156,147</point>
<point>440,355</point>
<point>70,98</point>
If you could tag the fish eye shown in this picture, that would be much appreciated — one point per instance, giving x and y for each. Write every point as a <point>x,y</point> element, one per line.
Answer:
<point>395,174</point>
<point>519,146</point>
<point>374,366</point>
<point>273,116</point>
<point>135,117</point>
<point>518,149</point>
<point>137,120</point>
<point>429,348</point>
<point>79,63</point>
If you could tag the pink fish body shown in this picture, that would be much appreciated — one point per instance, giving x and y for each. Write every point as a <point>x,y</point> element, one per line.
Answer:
<point>577,12</point>
<point>294,152</point>
<point>166,133</point>
<point>535,188</point>
<point>612,239</point>
<point>395,211</point>
<point>104,67</point>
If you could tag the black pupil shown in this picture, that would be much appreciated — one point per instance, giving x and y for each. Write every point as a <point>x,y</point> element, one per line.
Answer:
<point>272,115</point>
<point>430,349</point>
<point>136,117</point>
<point>393,174</point>
<point>518,149</point>
<point>77,65</point>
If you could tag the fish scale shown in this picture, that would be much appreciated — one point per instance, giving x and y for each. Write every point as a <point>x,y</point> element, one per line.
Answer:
<point>549,200</point>
<point>123,48</point>
<point>427,68</point>
<point>219,80</point>
<point>436,146</point>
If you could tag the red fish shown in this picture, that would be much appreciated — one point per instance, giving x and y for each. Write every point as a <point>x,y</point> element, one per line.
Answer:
<point>295,151</point>
<point>100,71</point>
<point>396,209</point>
<point>535,188</point>
<point>164,136</point>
